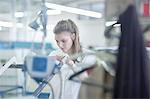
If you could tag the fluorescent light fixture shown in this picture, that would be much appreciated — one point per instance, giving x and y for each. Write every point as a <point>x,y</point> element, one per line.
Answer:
<point>53,12</point>
<point>19,25</point>
<point>117,25</point>
<point>10,24</point>
<point>6,24</point>
<point>74,10</point>
<point>0,28</point>
<point>19,14</point>
<point>109,23</point>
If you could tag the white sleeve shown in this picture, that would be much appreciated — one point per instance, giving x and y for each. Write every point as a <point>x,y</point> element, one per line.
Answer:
<point>53,53</point>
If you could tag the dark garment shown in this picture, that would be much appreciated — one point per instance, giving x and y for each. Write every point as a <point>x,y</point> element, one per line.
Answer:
<point>132,78</point>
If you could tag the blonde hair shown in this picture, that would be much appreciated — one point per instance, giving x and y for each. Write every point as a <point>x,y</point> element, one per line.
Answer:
<point>69,26</point>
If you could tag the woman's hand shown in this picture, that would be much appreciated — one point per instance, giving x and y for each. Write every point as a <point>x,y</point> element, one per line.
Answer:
<point>70,62</point>
<point>62,59</point>
<point>59,58</point>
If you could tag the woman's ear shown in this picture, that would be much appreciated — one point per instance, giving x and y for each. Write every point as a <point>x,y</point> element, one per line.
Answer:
<point>73,36</point>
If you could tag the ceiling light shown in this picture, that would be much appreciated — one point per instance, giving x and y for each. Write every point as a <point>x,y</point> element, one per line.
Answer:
<point>10,24</point>
<point>0,28</point>
<point>117,25</point>
<point>6,24</point>
<point>109,23</point>
<point>19,25</point>
<point>53,12</point>
<point>74,10</point>
<point>19,14</point>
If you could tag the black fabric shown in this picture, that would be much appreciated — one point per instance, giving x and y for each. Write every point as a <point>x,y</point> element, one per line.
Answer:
<point>132,69</point>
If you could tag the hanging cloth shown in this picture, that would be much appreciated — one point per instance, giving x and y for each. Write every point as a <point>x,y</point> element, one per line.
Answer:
<point>132,70</point>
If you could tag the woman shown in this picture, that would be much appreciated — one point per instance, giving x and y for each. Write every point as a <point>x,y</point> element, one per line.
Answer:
<point>67,38</point>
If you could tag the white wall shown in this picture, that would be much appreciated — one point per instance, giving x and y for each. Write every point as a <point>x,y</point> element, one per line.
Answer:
<point>91,31</point>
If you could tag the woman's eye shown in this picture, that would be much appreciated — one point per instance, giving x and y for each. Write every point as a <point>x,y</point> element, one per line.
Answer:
<point>63,41</point>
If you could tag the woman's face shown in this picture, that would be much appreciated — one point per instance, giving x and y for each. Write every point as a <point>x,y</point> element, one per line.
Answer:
<point>64,41</point>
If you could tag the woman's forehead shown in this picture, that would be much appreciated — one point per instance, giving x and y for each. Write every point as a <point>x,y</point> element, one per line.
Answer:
<point>62,35</point>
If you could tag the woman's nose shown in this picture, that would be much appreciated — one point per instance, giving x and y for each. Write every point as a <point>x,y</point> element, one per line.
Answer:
<point>60,45</point>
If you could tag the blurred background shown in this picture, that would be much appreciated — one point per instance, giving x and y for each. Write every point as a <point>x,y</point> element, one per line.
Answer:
<point>17,38</point>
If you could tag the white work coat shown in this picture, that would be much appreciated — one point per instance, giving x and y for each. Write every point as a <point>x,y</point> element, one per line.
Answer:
<point>70,89</point>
